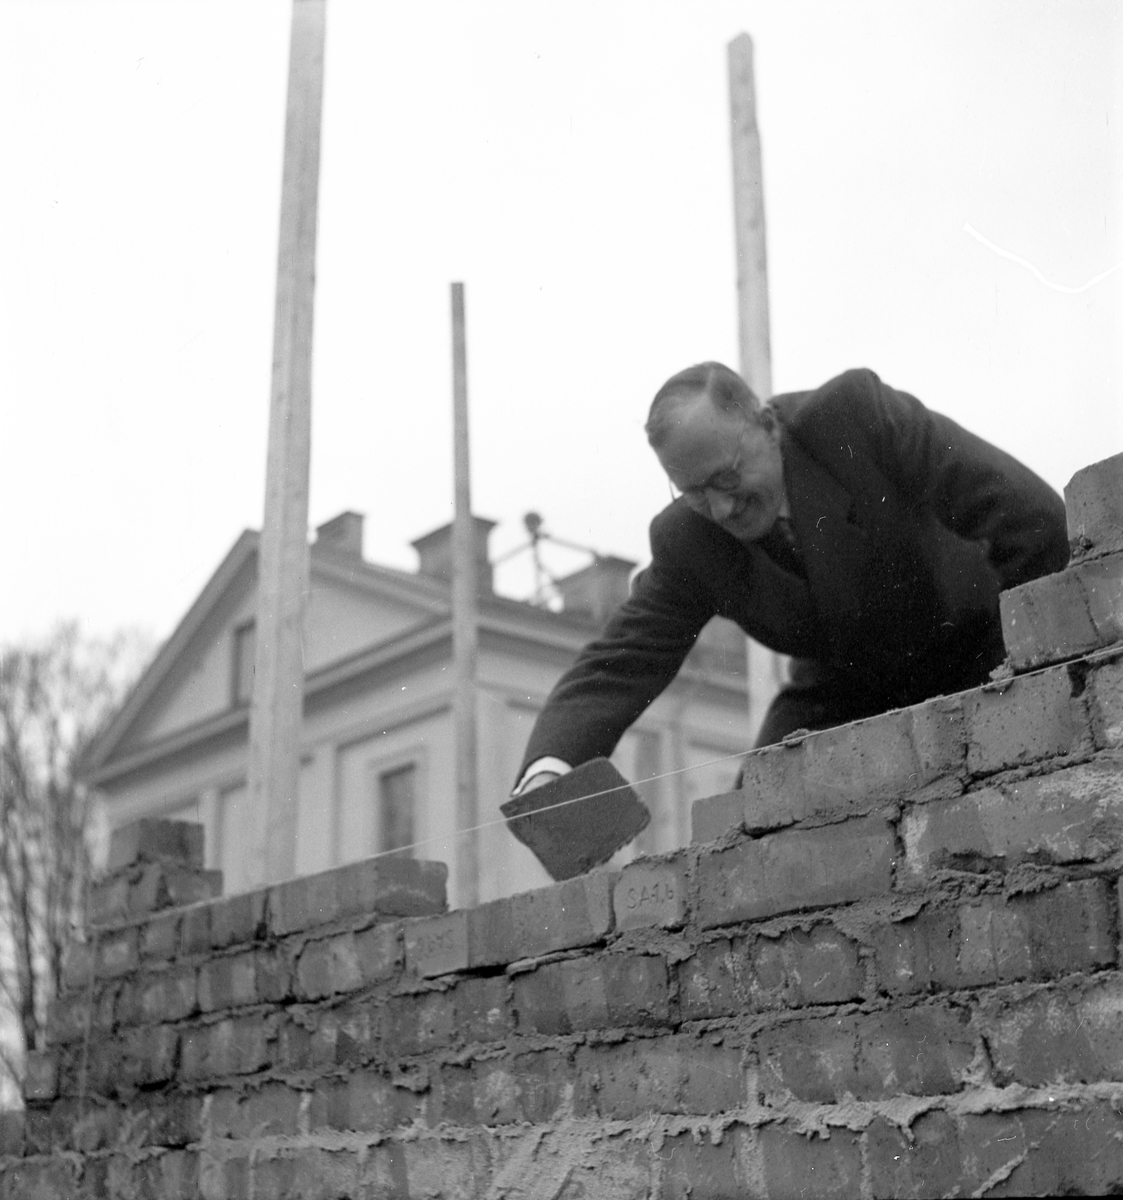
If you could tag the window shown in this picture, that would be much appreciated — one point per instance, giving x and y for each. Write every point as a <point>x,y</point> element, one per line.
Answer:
<point>241,671</point>
<point>397,794</point>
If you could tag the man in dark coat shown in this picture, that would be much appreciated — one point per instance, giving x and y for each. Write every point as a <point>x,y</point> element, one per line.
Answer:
<point>849,527</point>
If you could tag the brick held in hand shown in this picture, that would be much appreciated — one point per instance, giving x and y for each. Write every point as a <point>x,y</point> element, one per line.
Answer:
<point>579,820</point>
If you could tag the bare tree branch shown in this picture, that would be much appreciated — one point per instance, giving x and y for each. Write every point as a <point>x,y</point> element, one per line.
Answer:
<point>54,696</point>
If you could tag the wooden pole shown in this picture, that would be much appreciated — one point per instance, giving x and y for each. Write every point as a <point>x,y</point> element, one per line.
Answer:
<point>754,336</point>
<point>465,623</point>
<point>753,332</point>
<point>277,707</point>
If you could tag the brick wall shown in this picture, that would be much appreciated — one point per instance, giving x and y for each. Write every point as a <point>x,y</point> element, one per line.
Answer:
<point>887,967</point>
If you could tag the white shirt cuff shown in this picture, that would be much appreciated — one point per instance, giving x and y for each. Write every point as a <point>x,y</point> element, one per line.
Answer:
<point>554,765</point>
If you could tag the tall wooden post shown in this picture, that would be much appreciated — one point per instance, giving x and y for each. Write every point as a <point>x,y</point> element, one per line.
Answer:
<point>753,333</point>
<point>276,710</point>
<point>465,624</point>
<point>754,339</point>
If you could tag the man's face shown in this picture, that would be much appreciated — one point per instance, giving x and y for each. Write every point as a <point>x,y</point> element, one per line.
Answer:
<point>727,466</point>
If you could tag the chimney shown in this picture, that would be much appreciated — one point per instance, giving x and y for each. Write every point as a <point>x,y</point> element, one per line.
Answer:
<point>597,589</point>
<point>434,553</point>
<point>343,534</point>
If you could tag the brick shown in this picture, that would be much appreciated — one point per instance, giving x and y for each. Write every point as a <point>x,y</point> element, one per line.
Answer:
<point>268,1111</point>
<point>796,1164</point>
<point>228,982</point>
<point>77,964</point>
<point>416,1024</point>
<point>1105,692</point>
<point>364,1102</point>
<point>327,967</point>
<point>919,1051</point>
<point>359,1034</point>
<point>66,1018</point>
<point>11,1132</point>
<point>567,915</point>
<point>714,816</point>
<point>534,1087</point>
<point>797,869</point>
<point>678,1074</point>
<point>170,996</point>
<point>857,767</point>
<point>313,1173</point>
<point>1072,815</point>
<point>195,929</point>
<point>109,900</point>
<point>237,1046</point>
<point>117,952</point>
<point>160,936</point>
<point>139,1057</point>
<point>772,787</point>
<point>154,840</point>
<point>819,966</point>
<point>379,951</point>
<point>1033,717</point>
<point>41,1179</point>
<point>1064,615</point>
<point>344,1036</point>
<point>168,1118</point>
<point>40,1075</point>
<point>237,919</point>
<point>1059,1035</point>
<point>224,1178</point>
<point>610,991</point>
<point>395,887</point>
<point>482,1012</point>
<point>694,1165</point>
<point>1094,508</point>
<point>172,1175</point>
<point>999,940</point>
<point>649,894</point>
<point>1068,1153</point>
<point>437,945</point>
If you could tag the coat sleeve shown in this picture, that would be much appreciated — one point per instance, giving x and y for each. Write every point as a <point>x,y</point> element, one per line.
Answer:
<point>620,673</point>
<point>978,491</point>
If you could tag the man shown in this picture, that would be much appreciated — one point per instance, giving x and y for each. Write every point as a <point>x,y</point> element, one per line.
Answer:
<point>849,527</point>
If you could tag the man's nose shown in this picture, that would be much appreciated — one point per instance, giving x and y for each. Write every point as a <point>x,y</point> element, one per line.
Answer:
<point>721,504</point>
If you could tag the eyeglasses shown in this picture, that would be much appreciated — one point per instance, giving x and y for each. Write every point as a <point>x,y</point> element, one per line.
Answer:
<point>727,480</point>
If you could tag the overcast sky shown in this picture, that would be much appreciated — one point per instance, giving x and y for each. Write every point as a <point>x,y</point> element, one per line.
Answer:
<point>569,162</point>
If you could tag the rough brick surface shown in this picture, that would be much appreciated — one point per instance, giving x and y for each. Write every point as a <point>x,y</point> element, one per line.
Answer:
<point>1065,615</point>
<point>1073,815</point>
<point>847,771</point>
<point>152,840</point>
<point>800,869</point>
<point>1094,506</point>
<point>897,976</point>
<point>924,1051</point>
<point>402,887</point>
<point>996,939</point>
<point>820,966</point>
<point>650,894</point>
<point>1030,718</point>
<point>593,993</point>
<point>1105,691</point>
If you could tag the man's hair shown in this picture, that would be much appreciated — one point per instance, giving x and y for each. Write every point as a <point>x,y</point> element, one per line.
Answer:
<point>725,388</point>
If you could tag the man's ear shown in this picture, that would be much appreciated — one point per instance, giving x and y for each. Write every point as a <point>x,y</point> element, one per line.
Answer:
<point>767,418</point>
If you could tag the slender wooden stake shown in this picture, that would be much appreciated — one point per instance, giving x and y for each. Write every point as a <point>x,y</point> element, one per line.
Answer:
<point>465,623</point>
<point>277,708</point>
<point>748,217</point>
<point>754,336</point>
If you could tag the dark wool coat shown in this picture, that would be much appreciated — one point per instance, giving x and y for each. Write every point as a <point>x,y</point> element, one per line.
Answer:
<point>908,525</point>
